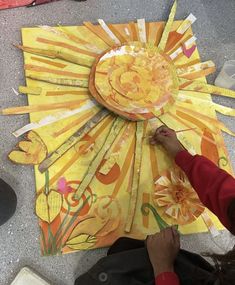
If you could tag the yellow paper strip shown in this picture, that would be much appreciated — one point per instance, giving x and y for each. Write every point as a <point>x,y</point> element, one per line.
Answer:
<point>205,103</point>
<point>114,131</point>
<point>39,108</point>
<point>58,54</point>
<point>72,140</point>
<point>67,92</point>
<point>186,24</point>
<point>66,46</point>
<point>109,32</point>
<point>136,176</point>
<point>63,32</point>
<point>54,118</point>
<point>49,62</point>
<point>59,81</point>
<point>30,90</point>
<point>211,227</point>
<point>118,34</point>
<point>196,70</point>
<point>83,149</point>
<point>214,122</point>
<point>205,88</point>
<point>74,123</point>
<point>168,26</point>
<point>35,68</point>
<point>99,33</point>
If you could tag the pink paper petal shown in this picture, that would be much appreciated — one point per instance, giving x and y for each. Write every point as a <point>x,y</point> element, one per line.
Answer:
<point>62,185</point>
<point>188,52</point>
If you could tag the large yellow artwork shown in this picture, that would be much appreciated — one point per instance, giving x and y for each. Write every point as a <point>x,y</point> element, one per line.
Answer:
<point>96,94</point>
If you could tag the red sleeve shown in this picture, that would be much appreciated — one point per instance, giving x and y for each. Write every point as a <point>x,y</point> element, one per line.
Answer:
<point>167,278</point>
<point>214,186</point>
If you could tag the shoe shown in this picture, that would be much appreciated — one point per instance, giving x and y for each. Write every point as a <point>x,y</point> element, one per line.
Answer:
<point>8,201</point>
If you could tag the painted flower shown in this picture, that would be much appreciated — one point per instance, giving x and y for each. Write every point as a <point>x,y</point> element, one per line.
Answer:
<point>178,200</point>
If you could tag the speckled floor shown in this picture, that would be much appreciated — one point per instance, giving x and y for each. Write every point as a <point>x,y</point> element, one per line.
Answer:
<point>215,30</point>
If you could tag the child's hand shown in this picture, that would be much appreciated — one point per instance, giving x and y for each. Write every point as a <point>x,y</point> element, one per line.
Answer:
<point>168,139</point>
<point>163,248</point>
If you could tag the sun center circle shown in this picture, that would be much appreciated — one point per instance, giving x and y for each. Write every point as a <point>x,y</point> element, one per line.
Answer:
<point>135,80</point>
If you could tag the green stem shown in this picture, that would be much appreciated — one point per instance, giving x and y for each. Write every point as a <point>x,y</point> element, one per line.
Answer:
<point>73,220</point>
<point>145,211</point>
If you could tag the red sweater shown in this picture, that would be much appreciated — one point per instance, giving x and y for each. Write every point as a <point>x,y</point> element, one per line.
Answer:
<point>215,188</point>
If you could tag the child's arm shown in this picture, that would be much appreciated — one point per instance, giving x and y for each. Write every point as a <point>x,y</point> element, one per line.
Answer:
<point>162,249</point>
<point>214,186</point>
<point>167,278</point>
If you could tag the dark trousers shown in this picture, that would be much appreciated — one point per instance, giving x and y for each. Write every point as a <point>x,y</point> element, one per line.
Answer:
<point>127,263</point>
<point>8,202</point>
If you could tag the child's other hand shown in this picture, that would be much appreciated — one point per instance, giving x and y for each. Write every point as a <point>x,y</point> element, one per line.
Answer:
<point>168,139</point>
<point>163,248</point>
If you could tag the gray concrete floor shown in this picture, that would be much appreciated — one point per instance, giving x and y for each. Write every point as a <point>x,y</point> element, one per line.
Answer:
<point>215,30</point>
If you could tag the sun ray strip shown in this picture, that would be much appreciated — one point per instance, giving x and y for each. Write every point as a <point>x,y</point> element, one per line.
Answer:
<point>188,126</point>
<point>205,88</point>
<point>209,223</point>
<point>74,123</point>
<point>114,131</point>
<point>66,46</point>
<point>42,107</point>
<point>152,32</point>
<point>67,92</point>
<point>134,35</point>
<point>175,37</point>
<point>227,111</point>
<point>83,149</point>
<point>195,61</point>
<point>168,27</point>
<point>99,33</point>
<point>108,31</point>
<point>179,43</point>
<point>147,28</point>
<point>224,110</point>
<point>153,160</point>
<point>36,68</point>
<point>145,218</point>
<point>57,54</point>
<point>53,118</point>
<point>136,176</point>
<point>159,34</point>
<point>193,120</point>
<point>214,122</point>
<point>122,38</point>
<point>179,51</point>
<point>142,30</point>
<point>72,140</point>
<point>59,81</point>
<point>126,165</point>
<point>63,32</point>
<point>49,62</point>
<point>186,24</point>
<point>127,32</point>
<point>197,70</point>
<point>30,90</point>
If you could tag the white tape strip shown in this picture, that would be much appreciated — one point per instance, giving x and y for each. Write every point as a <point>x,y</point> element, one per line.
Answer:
<point>52,119</point>
<point>211,227</point>
<point>142,30</point>
<point>108,31</point>
<point>186,24</point>
<point>187,44</point>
